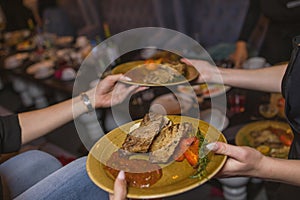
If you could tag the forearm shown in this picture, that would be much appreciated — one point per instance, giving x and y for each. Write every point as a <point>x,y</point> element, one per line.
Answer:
<point>264,79</point>
<point>40,122</point>
<point>280,170</point>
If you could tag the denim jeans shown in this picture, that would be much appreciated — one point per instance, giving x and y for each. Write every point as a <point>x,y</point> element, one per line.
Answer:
<point>37,175</point>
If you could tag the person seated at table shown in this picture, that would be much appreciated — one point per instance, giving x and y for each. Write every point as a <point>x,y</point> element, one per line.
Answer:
<point>283,25</point>
<point>245,161</point>
<point>38,175</point>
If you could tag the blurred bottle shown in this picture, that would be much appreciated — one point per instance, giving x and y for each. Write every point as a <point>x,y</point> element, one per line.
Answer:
<point>2,25</point>
<point>236,102</point>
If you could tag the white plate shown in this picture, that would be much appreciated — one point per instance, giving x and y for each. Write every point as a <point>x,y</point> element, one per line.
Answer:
<point>255,63</point>
<point>44,74</point>
<point>208,90</point>
<point>36,67</point>
<point>15,61</point>
<point>68,74</point>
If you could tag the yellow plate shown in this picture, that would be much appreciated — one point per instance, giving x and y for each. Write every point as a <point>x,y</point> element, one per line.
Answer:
<point>176,176</point>
<point>243,137</point>
<point>191,74</point>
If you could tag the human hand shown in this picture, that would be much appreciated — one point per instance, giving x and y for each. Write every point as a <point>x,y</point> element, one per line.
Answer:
<point>120,188</point>
<point>31,4</point>
<point>110,92</point>
<point>208,73</point>
<point>242,160</point>
<point>240,55</point>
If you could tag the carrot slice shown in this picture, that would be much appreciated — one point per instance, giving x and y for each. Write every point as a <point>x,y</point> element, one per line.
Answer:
<point>191,157</point>
<point>285,140</point>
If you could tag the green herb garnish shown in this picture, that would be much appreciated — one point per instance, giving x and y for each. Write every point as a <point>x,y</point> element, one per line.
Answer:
<point>203,160</point>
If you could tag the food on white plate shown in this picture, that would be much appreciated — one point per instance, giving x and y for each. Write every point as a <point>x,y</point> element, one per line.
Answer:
<point>16,60</point>
<point>37,66</point>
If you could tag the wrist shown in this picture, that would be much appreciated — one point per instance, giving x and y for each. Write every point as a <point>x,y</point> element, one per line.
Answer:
<point>262,167</point>
<point>82,104</point>
<point>241,44</point>
<point>91,95</point>
<point>87,102</point>
<point>78,107</point>
<point>219,75</point>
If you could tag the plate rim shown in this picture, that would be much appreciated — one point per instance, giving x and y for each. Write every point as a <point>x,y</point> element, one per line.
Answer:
<point>31,69</point>
<point>211,95</point>
<point>164,194</point>
<point>139,62</point>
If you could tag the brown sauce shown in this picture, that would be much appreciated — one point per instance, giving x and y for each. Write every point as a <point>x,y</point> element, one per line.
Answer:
<point>138,173</point>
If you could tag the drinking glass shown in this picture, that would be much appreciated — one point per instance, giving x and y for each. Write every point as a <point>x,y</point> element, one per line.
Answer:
<point>236,102</point>
<point>2,24</point>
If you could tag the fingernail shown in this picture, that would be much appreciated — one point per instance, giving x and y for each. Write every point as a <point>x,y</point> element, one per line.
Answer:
<point>126,78</point>
<point>134,86</point>
<point>212,146</point>
<point>121,175</point>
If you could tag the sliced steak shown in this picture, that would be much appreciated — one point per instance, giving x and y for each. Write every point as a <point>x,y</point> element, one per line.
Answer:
<point>166,142</point>
<point>140,139</point>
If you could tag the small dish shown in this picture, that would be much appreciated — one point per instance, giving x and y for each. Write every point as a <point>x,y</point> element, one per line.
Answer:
<point>255,63</point>
<point>15,61</point>
<point>68,74</point>
<point>44,73</point>
<point>36,67</point>
<point>268,110</point>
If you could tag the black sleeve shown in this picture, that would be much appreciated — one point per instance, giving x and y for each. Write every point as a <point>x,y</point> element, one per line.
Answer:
<point>251,19</point>
<point>10,134</point>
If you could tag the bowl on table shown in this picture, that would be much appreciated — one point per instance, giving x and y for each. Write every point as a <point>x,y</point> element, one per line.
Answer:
<point>268,110</point>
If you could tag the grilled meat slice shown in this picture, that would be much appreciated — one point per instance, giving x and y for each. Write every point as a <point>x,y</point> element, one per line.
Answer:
<point>178,66</point>
<point>140,139</point>
<point>166,73</point>
<point>166,142</point>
